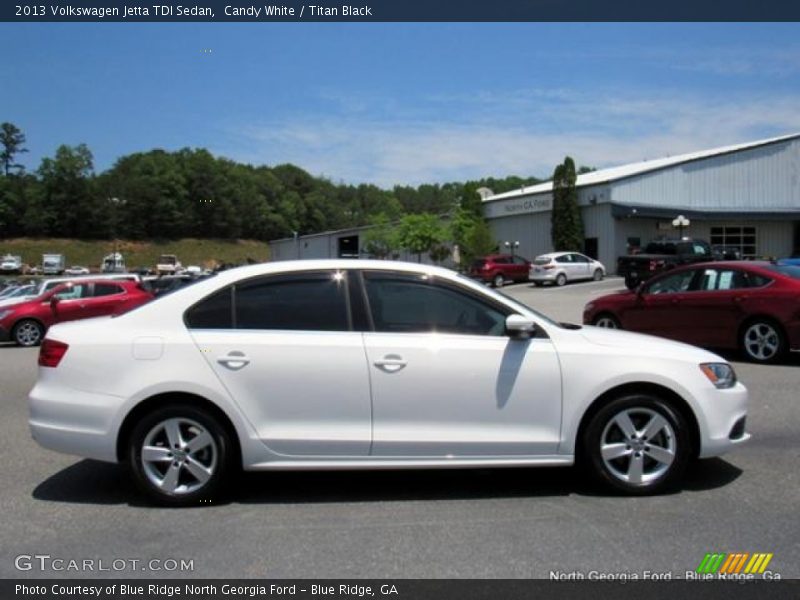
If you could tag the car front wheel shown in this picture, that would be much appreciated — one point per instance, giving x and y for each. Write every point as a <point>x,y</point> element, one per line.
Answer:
<point>607,321</point>
<point>598,275</point>
<point>179,455</point>
<point>637,444</point>
<point>561,280</point>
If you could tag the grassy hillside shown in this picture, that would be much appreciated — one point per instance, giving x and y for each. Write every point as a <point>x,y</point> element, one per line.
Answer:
<point>204,253</point>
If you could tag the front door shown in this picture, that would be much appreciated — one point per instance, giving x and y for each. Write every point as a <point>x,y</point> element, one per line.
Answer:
<point>447,380</point>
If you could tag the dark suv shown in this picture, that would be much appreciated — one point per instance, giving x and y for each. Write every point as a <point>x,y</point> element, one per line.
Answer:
<point>499,268</point>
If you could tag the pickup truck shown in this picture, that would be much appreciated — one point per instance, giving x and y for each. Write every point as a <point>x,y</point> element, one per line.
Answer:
<point>659,256</point>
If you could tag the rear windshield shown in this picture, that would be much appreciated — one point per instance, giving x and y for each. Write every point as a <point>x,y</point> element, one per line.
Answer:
<point>788,270</point>
<point>542,260</point>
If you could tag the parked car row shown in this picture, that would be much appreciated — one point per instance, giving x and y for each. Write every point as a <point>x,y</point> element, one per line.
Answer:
<point>751,306</point>
<point>557,268</point>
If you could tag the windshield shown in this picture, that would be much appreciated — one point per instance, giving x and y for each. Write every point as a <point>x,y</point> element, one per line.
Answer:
<point>792,271</point>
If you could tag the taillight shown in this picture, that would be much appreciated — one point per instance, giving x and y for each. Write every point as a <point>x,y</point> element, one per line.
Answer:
<point>548,267</point>
<point>51,352</point>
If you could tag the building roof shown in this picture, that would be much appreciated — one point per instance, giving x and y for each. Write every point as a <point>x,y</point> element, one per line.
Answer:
<point>623,171</point>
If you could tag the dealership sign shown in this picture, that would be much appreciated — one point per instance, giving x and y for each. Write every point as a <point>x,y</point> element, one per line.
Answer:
<point>518,206</point>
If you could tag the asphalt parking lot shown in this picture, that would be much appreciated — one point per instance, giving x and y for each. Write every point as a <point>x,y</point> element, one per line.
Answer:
<point>514,523</point>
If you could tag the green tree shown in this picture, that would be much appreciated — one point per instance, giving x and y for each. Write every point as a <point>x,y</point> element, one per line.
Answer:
<point>566,224</point>
<point>380,241</point>
<point>420,233</point>
<point>12,140</point>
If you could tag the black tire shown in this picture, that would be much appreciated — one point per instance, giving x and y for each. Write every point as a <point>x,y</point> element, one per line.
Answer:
<point>598,275</point>
<point>670,439</point>
<point>538,283</point>
<point>215,457</point>
<point>762,341</point>
<point>632,283</point>
<point>498,280</point>
<point>607,320</point>
<point>28,333</point>
<point>561,279</point>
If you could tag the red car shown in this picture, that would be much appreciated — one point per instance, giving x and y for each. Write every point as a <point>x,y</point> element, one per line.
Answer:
<point>499,268</point>
<point>27,322</point>
<point>745,305</point>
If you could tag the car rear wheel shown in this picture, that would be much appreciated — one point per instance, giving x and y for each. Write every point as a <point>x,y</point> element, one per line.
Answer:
<point>607,321</point>
<point>28,333</point>
<point>498,280</point>
<point>637,444</point>
<point>179,455</point>
<point>763,341</point>
<point>598,275</point>
<point>561,279</point>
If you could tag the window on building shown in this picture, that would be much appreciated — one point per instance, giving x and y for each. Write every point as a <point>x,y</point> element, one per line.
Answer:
<point>741,238</point>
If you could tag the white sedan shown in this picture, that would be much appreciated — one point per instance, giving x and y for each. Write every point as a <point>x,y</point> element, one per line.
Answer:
<point>76,270</point>
<point>372,365</point>
<point>562,267</point>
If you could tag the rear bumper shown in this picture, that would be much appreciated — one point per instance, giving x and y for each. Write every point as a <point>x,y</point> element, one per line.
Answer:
<point>74,422</point>
<point>544,276</point>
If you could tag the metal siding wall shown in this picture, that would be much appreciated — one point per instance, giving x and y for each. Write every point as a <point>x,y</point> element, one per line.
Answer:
<point>532,231</point>
<point>765,178</point>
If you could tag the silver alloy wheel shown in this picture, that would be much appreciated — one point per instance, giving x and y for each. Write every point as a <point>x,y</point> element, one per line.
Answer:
<point>598,275</point>
<point>179,456</point>
<point>28,333</point>
<point>762,341</point>
<point>561,279</point>
<point>606,322</point>
<point>499,280</point>
<point>638,446</point>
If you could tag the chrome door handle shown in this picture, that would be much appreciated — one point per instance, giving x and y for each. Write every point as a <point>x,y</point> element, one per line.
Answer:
<point>234,360</point>
<point>391,363</point>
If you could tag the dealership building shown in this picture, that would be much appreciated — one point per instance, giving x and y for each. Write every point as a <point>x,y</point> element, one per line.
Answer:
<point>745,196</point>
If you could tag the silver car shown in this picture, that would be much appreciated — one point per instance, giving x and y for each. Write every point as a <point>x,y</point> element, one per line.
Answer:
<point>561,267</point>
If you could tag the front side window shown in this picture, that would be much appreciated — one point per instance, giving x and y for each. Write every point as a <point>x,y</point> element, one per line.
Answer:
<point>672,284</point>
<point>407,303</point>
<point>74,292</point>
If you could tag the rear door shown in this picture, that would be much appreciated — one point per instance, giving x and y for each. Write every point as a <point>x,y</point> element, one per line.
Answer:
<point>284,348</point>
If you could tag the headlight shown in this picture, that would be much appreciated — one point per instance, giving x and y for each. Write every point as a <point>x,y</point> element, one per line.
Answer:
<point>721,375</point>
<point>5,313</point>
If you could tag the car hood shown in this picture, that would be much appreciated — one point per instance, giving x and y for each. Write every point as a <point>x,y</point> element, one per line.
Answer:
<point>13,301</point>
<point>645,343</point>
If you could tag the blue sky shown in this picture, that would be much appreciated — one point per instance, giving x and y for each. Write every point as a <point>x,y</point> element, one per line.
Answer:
<point>401,103</point>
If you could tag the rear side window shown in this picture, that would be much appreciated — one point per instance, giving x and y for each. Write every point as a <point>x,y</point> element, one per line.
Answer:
<point>213,312</point>
<point>307,301</point>
<point>106,289</point>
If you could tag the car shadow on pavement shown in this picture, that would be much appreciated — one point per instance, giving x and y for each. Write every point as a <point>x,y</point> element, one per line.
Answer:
<point>93,482</point>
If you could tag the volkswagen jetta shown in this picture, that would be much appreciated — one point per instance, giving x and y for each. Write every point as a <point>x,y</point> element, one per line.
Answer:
<point>377,365</point>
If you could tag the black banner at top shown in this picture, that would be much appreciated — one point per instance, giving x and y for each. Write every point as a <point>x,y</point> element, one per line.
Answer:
<point>259,11</point>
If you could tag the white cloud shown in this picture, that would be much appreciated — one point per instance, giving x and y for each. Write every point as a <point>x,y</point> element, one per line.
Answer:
<point>491,133</point>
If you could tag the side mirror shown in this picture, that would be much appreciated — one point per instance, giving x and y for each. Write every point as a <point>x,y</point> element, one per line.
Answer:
<point>518,326</point>
<point>640,289</point>
<point>54,303</point>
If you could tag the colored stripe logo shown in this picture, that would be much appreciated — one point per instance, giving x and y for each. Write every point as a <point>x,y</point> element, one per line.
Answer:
<point>735,563</point>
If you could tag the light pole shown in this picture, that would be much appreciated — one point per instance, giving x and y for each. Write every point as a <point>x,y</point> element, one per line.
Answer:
<point>680,222</point>
<point>512,246</point>
<point>115,204</point>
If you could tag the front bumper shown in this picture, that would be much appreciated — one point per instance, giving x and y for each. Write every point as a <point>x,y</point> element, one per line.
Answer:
<point>5,336</point>
<point>724,413</point>
<point>74,421</point>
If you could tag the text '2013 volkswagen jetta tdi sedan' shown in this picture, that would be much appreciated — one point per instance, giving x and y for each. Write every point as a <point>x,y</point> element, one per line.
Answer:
<point>344,364</point>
